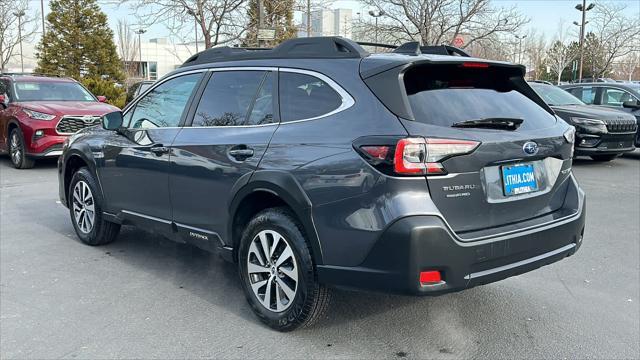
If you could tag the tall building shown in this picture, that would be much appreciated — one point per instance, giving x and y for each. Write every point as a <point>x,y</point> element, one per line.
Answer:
<point>337,22</point>
<point>159,57</point>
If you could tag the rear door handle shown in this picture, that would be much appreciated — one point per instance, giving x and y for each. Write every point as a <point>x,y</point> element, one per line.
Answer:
<point>159,150</point>
<point>241,154</point>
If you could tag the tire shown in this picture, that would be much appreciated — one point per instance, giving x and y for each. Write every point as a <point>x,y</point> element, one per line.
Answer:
<point>17,152</point>
<point>310,298</point>
<point>91,232</point>
<point>604,157</point>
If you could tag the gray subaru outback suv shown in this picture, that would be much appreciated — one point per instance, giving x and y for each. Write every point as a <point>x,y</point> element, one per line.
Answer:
<point>317,164</point>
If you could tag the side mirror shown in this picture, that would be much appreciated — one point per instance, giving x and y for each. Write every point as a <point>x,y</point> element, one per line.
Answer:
<point>633,104</point>
<point>102,98</point>
<point>4,101</point>
<point>112,121</point>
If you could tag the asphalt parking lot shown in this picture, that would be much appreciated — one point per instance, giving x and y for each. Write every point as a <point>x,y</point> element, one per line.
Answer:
<point>145,297</point>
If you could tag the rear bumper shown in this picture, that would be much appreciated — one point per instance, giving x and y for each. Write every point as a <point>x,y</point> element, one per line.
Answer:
<point>420,243</point>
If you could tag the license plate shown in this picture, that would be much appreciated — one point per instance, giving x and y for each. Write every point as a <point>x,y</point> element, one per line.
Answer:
<point>519,179</point>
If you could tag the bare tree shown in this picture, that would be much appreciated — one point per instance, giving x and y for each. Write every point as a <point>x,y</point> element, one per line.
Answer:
<point>441,21</point>
<point>617,34</point>
<point>561,54</point>
<point>127,48</point>
<point>217,21</point>
<point>535,48</point>
<point>627,66</point>
<point>10,37</point>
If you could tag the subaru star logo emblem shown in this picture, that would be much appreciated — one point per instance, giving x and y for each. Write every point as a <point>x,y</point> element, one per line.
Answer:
<point>530,148</point>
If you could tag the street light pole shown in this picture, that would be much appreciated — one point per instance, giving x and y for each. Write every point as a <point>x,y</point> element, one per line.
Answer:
<point>583,8</point>
<point>20,14</point>
<point>376,14</point>
<point>140,32</point>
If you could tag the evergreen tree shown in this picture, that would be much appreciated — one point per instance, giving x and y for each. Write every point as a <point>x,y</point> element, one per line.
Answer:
<point>78,42</point>
<point>278,15</point>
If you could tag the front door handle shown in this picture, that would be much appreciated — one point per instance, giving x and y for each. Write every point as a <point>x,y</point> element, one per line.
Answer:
<point>241,154</point>
<point>159,150</point>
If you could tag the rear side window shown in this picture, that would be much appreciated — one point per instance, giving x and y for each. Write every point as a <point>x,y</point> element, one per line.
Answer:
<point>445,94</point>
<point>236,98</point>
<point>304,96</point>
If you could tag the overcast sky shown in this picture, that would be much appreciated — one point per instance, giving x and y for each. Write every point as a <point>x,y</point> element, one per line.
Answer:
<point>545,15</point>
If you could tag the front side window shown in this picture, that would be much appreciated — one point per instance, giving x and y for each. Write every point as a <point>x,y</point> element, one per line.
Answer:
<point>163,106</point>
<point>51,91</point>
<point>304,96</point>
<point>236,98</point>
<point>586,94</point>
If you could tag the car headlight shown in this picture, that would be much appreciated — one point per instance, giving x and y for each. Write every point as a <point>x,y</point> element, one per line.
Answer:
<point>587,122</point>
<point>36,115</point>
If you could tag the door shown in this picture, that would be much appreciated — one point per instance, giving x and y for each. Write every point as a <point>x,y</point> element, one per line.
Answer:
<point>231,128</point>
<point>134,173</point>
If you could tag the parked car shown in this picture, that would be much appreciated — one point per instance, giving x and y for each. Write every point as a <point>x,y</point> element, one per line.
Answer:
<point>619,96</point>
<point>601,133</point>
<point>137,89</point>
<point>402,172</point>
<point>37,113</point>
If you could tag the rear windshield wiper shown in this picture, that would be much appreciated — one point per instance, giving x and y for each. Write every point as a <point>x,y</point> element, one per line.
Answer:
<point>490,123</point>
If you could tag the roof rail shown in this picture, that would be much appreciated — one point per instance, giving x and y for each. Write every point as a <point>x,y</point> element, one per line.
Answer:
<point>414,48</point>
<point>329,47</point>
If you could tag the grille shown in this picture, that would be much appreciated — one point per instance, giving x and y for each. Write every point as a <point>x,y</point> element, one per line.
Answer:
<point>73,124</point>
<point>617,126</point>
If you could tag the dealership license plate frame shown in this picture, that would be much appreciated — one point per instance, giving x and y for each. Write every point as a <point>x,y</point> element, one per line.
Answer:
<point>527,187</point>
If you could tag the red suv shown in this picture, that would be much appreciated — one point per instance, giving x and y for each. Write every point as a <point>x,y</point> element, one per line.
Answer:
<point>38,112</point>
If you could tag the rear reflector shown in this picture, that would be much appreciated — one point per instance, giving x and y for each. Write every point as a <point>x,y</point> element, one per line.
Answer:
<point>430,277</point>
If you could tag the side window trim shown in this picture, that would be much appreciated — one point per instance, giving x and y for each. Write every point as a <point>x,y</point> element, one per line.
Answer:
<point>196,100</point>
<point>183,117</point>
<point>347,100</point>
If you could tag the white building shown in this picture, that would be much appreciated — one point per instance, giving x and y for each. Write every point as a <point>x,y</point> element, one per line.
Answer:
<point>159,57</point>
<point>337,22</point>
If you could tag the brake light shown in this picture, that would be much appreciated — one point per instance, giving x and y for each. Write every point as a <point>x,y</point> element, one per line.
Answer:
<point>474,65</point>
<point>424,156</point>
<point>376,152</point>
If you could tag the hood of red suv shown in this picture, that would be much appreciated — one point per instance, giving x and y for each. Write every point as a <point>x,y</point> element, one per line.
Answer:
<point>60,108</point>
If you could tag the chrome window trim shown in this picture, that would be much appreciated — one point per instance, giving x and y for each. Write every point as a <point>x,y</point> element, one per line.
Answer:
<point>347,99</point>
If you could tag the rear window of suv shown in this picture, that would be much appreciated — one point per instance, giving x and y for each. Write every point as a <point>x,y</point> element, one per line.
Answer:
<point>445,94</point>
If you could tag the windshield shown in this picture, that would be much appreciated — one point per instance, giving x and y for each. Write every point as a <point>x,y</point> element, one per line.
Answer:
<point>51,91</point>
<point>555,96</point>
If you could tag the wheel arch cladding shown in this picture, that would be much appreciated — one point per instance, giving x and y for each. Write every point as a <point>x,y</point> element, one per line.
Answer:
<point>271,189</point>
<point>75,160</point>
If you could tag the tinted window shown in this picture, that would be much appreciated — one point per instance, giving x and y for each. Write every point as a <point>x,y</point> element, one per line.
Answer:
<point>229,97</point>
<point>586,94</point>
<point>446,94</point>
<point>164,105</point>
<point>615,97</point>
<point>304,97</point>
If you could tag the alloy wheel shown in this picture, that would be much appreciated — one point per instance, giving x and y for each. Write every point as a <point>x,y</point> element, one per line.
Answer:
<point>272,270</point>
<point>83,207</point>
<point>16,148</point>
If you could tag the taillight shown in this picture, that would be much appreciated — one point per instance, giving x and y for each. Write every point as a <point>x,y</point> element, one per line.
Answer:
<point>413,155</point>
<point>475,65</point>
<point>424,156</point>
<point>410,156</point>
